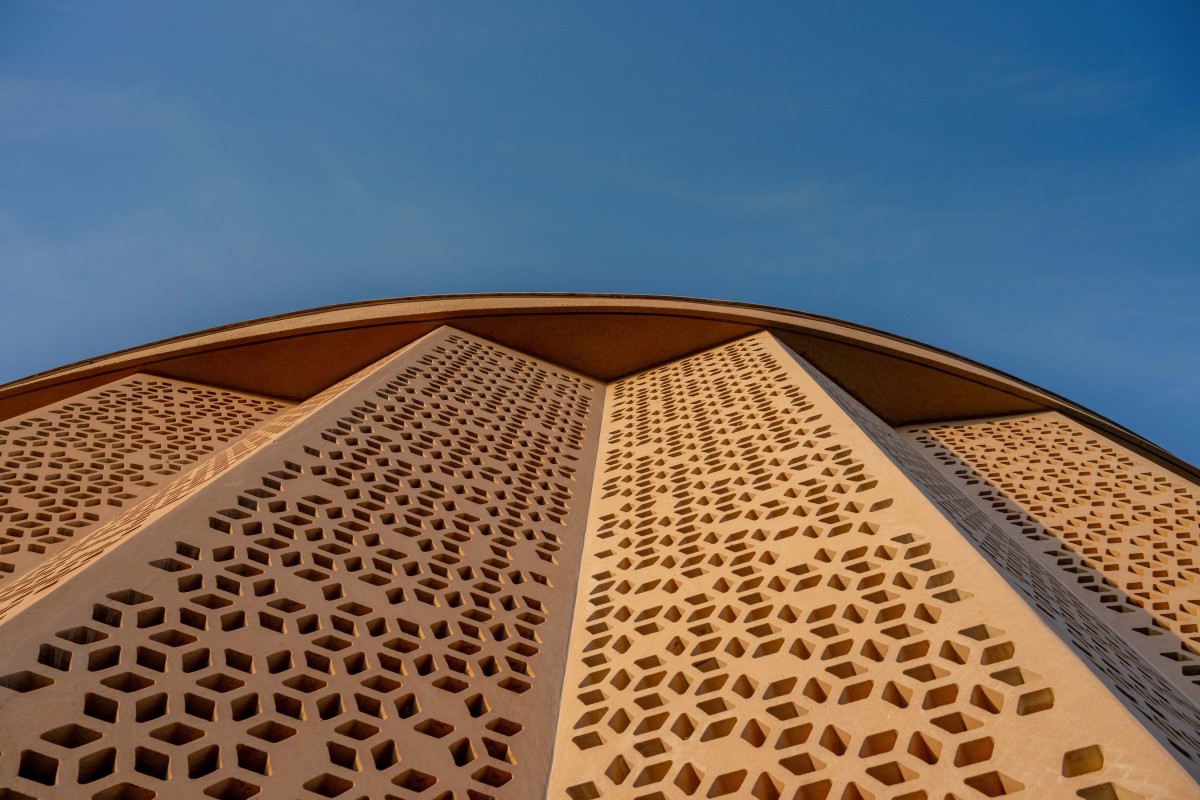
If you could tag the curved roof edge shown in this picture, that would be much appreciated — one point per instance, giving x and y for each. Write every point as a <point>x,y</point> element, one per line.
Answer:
<point>624,333</point>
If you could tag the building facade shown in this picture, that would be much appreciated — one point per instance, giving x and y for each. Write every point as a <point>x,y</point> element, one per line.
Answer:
<point>581,547</point>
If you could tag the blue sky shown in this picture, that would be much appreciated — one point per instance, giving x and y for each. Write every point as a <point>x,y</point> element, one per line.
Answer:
<point>1015,182</point>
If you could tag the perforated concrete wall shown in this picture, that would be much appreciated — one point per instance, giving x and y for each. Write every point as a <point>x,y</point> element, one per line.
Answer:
<point>468,573</point>
<point>1102,540</point>
<point>769,609</point>
<point>368,606</point>
<point>72,466</point>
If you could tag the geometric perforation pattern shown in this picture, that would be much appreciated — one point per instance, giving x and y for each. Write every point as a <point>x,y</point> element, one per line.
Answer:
<point>763,615</point>
<point>1124,526</point>
<point>465,573</point>
<point>72,466</point>
<point>1102,541</point>
<point>70,559</point>
<point>359,610</point>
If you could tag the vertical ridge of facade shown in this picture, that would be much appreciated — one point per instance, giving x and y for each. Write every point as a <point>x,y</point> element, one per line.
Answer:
<point>1076,602</point>
<point>1101,540</point>
<point>769,609</point>
<point>71,467</point>
<point>61,564</point>
<point>466,572</point>
<point>366,607</point>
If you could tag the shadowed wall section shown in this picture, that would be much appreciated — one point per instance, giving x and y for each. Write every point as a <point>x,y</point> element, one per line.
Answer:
<point>1103,541</point>
<point>491,564</point>
<point>769,609</point>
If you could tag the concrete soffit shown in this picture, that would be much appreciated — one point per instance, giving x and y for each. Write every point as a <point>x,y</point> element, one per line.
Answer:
<point>295,356</point>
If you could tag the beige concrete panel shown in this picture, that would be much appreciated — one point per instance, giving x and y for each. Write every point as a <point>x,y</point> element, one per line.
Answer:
<point>769,608</point>
<point>1103,541</point>
<point>374,605</point>
<point>72,558</point>
<point>72,466</point>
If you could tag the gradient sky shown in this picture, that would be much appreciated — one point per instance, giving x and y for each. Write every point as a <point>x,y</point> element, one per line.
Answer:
<point>1015,182</point>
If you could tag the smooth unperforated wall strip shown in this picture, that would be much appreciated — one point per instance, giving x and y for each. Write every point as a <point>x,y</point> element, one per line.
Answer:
<point>768,609</point>
<point>70,467</point>
<point>376,605</point>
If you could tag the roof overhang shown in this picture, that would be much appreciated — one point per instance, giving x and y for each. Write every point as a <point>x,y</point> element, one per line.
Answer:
<point>294,356</point>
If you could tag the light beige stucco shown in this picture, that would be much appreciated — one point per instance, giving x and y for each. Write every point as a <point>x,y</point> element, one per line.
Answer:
<point>768,608</point>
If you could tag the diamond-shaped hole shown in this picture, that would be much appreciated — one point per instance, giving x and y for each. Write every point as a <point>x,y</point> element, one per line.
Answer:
<point>152,763</point>
<point>125,791</point>
<point>71,736</point>
<point>128,682</point>
<point>232,789</point>
<point>343,756</point>
<point>204,761</point>
<point>272,732</point>
<point>414,780</point>
<point>328,785</point>
<point>177,733</point>
<point>25,681</point>
<point>253,759</point>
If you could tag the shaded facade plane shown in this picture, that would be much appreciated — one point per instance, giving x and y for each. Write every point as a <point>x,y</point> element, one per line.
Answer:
<point>579,547</point>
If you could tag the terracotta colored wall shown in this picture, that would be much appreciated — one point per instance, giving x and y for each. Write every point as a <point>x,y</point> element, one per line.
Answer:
<point>1101,540</point>
<point>74,465</point>
<point>371,605</point>
<point>466,573</point>
<point>769,608</point>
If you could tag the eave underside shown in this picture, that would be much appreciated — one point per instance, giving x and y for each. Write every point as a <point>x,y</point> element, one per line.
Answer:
<point>296,356</point>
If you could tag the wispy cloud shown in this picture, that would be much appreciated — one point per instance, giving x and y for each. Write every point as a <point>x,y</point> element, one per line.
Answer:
<point>771,201</point>
<point>1057,91</point>
<point>39,109</point>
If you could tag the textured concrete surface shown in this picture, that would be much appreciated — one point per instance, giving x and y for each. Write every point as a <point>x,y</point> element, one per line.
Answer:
<point>459,569</point>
